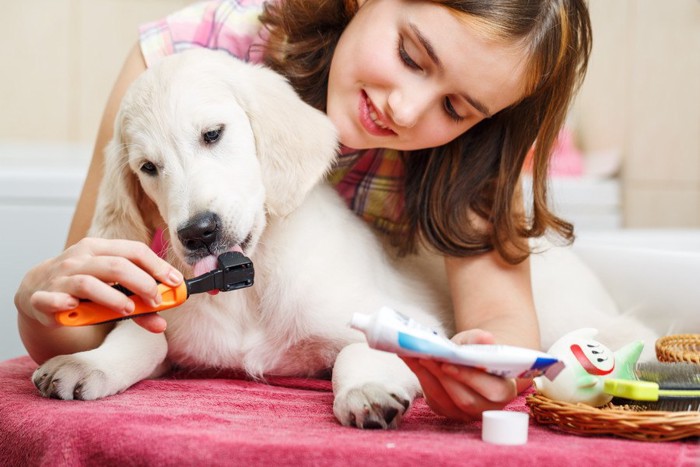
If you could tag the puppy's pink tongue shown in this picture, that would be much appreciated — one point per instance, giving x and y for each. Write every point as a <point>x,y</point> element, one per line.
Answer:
<point>209,263</point>
<point>205,265</point>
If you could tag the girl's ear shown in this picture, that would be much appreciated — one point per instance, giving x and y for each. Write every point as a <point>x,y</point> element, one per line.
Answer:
<point>296,143</point>
<point>120,201</point>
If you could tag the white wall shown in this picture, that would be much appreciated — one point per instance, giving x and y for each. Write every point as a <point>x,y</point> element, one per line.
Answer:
<point>36,206</point>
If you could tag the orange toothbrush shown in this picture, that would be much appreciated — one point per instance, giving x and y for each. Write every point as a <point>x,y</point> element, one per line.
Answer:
<point>235,271</point>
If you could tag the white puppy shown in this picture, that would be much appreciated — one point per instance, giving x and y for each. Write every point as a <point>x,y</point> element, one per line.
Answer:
<point>224,156</point>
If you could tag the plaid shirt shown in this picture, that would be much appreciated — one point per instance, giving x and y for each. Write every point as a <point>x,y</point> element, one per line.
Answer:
<point>369,181</point>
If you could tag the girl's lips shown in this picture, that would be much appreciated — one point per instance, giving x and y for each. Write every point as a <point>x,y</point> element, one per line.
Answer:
<point>366,109</point>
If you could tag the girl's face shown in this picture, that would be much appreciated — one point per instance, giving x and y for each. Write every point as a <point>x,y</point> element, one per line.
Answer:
<point>410,74</point>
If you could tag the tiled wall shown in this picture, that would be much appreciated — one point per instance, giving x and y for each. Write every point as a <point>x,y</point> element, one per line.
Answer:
<point>642,96</point>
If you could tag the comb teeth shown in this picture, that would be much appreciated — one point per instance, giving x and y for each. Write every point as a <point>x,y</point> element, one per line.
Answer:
<point>680,375</point>
<point>666,404</point>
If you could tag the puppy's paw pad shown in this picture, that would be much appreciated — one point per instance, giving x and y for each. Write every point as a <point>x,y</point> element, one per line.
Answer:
<point>372,406</point>
<point>68,377</point>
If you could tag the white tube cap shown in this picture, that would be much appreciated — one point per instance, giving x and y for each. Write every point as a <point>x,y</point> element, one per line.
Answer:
<point>502,427</point>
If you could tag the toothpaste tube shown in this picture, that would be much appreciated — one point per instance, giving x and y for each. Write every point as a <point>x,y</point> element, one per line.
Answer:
<point>391,331</point>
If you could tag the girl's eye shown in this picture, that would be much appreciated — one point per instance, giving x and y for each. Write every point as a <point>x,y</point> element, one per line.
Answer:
<point>409,62</point>
<point>405,58</point>
<point>451,112</point>
<point>149,168</point>
<point>212,136</point>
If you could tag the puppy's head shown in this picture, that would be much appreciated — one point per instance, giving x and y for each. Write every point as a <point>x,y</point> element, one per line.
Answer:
<point>208,146</point>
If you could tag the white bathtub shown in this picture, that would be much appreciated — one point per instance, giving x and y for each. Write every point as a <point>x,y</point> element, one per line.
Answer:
<point>651,274</point>
<point>39,186</point>
<point>40,183</point>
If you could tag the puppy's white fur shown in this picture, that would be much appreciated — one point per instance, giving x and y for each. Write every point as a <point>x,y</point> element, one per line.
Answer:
<point>316,263</point>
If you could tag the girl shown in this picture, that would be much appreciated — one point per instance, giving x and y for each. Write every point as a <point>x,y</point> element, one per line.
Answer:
<point>436,103</point>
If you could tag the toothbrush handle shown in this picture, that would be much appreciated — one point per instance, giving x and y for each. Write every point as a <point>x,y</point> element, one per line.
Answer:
<point>88,312</point>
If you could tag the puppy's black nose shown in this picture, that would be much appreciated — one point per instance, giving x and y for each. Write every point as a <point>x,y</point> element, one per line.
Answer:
<point>200,231</point>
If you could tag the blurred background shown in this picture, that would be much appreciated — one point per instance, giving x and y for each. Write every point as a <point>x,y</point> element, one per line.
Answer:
<point>628,159</point>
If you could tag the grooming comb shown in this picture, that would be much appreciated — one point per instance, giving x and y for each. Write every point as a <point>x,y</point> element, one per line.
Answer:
<point>660,386</point>
<point>235,271</point>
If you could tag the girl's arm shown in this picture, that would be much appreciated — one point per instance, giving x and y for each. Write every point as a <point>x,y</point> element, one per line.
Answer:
<point>85,267</point>
<point>132,68</point>
<point>492,295</point>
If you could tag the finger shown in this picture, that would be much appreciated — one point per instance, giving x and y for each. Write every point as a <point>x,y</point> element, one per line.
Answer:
<point>447,395</point>
<point>457,400</point>
<point>429,381</point>
<point>113,269</point>
<point>52,302</point>
<point>93,289</point>
<point>474,336</point>
<point>138,253</point>
<point>491,388</point>
<point>433,392</point>
<point>49,303</point>
<point>467,400</point>
<point>152,322</point>
<point>468,404</point>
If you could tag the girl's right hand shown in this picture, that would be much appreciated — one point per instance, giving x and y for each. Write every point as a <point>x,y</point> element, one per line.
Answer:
<point>460,392</point>
<point>86,270</point>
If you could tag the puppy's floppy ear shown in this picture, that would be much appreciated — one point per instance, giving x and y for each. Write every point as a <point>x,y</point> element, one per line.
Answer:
<point>121,201</point>
<point>296,143</point>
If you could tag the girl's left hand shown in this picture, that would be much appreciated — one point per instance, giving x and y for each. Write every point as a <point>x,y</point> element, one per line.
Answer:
<point>461,392</point>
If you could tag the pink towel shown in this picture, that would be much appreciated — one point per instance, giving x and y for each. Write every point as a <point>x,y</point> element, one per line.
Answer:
<point>220,419</point>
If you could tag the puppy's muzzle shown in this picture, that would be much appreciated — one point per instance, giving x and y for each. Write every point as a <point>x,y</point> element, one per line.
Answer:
<point>200,232</point>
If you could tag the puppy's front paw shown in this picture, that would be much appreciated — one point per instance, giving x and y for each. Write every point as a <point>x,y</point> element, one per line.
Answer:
<point>71,377</point>
<point>371,405</point>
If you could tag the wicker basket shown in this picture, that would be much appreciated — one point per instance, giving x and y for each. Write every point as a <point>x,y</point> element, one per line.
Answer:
<point>679,348</point>
<point>626,421</point>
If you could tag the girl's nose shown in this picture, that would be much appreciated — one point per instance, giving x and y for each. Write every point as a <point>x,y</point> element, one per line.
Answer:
<point>407,106</point>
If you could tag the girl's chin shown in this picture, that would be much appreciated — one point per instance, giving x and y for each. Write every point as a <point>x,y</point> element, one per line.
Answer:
<point>361,144</point>
<point>350,137</point>
<point>358,140</point>
<point>355,141</point>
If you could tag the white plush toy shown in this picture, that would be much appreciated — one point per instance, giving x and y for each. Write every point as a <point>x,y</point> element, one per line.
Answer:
<point>588,364</point>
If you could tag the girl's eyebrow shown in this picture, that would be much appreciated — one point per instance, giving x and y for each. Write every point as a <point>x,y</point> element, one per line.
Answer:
<point>430,50</point>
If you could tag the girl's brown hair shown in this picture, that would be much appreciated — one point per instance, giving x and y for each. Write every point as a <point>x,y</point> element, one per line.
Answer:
<point>453,190</point>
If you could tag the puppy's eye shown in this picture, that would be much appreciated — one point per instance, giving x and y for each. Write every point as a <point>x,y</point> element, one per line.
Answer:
<point>149,168</point>
<point>213,135</point>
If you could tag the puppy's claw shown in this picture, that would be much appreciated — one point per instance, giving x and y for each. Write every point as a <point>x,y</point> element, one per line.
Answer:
<point>379,418</point>
<point>40,382</point>
<point>390,414</point>
<point>372,425</point>
<point>78,392</point>
<point>53,389</point>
